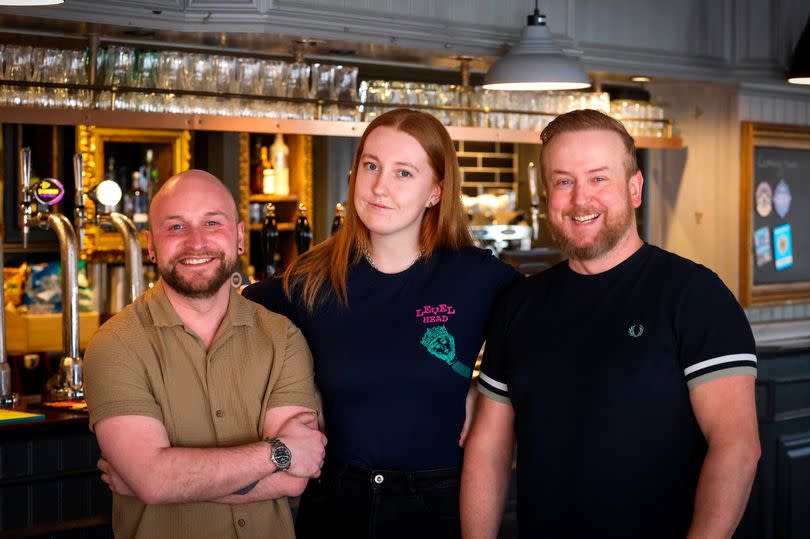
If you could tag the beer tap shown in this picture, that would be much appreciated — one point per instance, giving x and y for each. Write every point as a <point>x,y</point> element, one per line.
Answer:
<point>37,210</point>
<point>106,195</point>
<point>80,213</point>
<point>26,208</point>
<point>7,398</point>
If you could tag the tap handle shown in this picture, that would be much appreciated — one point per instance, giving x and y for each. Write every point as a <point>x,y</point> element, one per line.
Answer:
<point>78,174</point>
<point>25,192</point>
<point>269,240</point>
<point>79,212</point>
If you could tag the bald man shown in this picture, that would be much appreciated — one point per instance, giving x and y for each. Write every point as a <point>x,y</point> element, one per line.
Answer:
<point>202,401</point>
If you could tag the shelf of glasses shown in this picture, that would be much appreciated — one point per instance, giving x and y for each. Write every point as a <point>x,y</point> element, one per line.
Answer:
<point>203,122</point>
<point>110,117</point>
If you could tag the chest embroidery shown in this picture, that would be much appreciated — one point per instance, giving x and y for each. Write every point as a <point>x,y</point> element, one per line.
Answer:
<point>442,345</point>
<point>636,330</point>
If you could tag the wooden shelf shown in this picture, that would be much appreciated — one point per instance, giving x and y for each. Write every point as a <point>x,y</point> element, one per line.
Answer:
<point>273,198</point>
<point>205,122</point>
<point>282,227</point>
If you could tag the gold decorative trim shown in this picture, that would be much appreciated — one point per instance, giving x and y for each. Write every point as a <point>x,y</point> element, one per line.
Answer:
<point>90,141</point>
<point>244,195</point>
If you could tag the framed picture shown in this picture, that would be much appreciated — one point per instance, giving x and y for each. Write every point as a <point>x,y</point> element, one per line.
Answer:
<point>774,214</point>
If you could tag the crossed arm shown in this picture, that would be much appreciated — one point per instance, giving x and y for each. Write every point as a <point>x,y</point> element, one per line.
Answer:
<point>138,460</point>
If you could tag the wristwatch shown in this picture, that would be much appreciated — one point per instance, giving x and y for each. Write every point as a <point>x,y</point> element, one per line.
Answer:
<point>280,454</point>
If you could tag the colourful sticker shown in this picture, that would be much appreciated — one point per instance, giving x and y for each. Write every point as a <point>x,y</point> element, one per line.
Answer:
<point>49,191</point>
<point>764,199</point>
<point>781,199</point>
<point>762,245</point>
<point>783,247</point>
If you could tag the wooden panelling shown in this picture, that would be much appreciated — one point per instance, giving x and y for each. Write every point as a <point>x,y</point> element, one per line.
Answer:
<point>793,487</point>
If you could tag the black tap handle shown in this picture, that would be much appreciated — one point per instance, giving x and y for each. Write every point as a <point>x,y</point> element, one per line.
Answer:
<point>269,240</point>
<point>303,232</point>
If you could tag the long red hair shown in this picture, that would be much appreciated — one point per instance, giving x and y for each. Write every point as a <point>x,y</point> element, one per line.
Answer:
<point>443,226</point>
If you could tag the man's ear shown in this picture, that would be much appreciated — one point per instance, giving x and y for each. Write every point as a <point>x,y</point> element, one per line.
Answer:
<point>635,186</point>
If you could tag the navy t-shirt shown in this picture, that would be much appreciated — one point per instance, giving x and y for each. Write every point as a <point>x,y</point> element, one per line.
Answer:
<point>598,369</point>
<point>394,366</point>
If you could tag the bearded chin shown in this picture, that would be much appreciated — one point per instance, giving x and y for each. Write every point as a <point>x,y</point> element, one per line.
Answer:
<point>198,288</point>
<point>613,231</point>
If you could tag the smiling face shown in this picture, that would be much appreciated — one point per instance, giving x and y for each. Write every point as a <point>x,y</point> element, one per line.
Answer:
<point>394,185</point>
<point>591,201</point>
<point>194,234</point>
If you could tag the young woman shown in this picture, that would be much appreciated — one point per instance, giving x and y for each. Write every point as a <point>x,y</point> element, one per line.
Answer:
<point>393,307</point>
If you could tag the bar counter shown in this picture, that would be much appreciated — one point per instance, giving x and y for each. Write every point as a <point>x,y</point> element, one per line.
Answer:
<point>49,483</point>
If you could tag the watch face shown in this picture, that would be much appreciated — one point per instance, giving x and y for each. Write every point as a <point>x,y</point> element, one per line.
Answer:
<point>282,457</point>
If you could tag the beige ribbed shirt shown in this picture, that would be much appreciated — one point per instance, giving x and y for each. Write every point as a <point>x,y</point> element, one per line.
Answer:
<point>143,361</point>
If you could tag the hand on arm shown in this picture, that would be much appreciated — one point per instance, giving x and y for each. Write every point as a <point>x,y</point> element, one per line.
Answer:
<point>296,426</point>
<point>726,413</point>
<point>469,412</point>
<point>487,469</point>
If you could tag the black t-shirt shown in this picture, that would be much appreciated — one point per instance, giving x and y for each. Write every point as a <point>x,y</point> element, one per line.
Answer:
<point>598,369</point>
<point>394,366</point>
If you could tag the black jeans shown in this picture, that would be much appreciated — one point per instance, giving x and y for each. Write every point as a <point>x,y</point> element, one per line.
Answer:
<point>351,502</point>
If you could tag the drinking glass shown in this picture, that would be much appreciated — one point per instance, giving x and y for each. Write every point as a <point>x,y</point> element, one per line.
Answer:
<point>248,75</point>
<point>170,69</point>
<point>119,66</point>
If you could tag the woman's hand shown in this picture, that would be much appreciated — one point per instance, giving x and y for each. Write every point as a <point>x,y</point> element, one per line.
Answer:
<point>469,408</point>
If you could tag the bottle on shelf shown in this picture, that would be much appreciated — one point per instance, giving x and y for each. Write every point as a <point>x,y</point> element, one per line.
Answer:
<point>303,232</point>
<point>268,174</point>
<point>279,158</point>
<point>137,207</point>
<point>257,170</point>
<point>269,241</point>
<point>337,222</point>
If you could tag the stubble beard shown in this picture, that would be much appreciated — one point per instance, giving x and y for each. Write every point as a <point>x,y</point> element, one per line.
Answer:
<point>198,287</point>
<point>610,235</point>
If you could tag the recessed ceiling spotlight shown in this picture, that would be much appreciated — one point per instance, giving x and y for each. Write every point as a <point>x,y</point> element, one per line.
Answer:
<point>640,78</point>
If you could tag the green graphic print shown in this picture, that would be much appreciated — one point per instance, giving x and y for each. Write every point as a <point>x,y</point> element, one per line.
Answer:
<point>441,344</point>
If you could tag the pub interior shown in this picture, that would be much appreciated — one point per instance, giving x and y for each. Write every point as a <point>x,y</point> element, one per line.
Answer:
<point>100,102</point>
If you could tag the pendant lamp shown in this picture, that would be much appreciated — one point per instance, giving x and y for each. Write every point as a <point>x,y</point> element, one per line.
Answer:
<point>799,72</point>
<point>536,63</point>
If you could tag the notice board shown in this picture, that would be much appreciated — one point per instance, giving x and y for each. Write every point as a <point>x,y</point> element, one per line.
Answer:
<point>775,214</point>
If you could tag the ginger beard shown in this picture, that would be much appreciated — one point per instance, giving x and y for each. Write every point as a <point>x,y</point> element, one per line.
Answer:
<point>196,285</point>
<point>614,228</point>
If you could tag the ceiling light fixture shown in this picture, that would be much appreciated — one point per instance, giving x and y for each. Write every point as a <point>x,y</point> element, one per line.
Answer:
<point>640,78</point>
<point>536,63</point>
<point>30,2</point>
<point>799,72</point>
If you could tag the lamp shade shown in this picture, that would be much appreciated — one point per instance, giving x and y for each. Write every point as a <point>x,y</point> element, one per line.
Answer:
<point>799,72</point>
<point>536,63</point>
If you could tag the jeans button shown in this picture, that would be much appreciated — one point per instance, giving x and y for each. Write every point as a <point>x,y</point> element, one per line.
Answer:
<point>379,479</point>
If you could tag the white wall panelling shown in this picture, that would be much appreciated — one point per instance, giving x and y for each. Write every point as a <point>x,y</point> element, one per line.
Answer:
<point>718,40</point>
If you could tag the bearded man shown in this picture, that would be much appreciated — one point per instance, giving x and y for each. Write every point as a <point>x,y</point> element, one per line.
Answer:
<point>625,373</point>
<point>202,401</point>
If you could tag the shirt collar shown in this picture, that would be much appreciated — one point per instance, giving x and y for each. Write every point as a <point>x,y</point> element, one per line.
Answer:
<point>239,311</point>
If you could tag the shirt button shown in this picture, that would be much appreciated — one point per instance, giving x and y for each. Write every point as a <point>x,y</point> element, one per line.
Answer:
<point>220,413</point>
<point>241,522</point>
<point>379,479</point>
